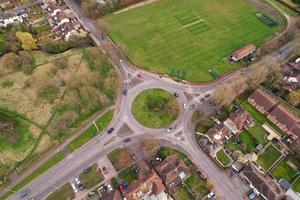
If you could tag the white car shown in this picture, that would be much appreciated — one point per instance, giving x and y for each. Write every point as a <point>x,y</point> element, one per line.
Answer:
<point>77,181</point>
<point>184,106</point>
<point>74,187</point>
<point>109,188</point>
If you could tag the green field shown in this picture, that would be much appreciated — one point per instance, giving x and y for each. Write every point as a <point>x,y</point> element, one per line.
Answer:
<point>155,108</point>
<point>197,185</point>
<point>92,178</point>
<point>287,169</point>
<point>268,157</point>
<point>183,194</point>
<point>191,36</point>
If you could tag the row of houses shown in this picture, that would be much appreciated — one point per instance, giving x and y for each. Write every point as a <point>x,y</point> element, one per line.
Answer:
<point>155,183</point>
<point>63,21</point>
<point>216,136</point>
<point>277,113</point>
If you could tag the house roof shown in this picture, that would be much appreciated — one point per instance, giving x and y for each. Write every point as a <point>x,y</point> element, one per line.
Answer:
<point>284,184</point>
<point>148,183</point>
<point>262,99</point>
<point>218,134</point>
<point>170,169</point>
<point>259,182</point>
<point>239,118</point>
<point>244,51</point>
<point>284,117</point>
<point>296,130</point>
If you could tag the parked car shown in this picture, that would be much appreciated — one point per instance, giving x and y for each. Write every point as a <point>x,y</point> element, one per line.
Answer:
<point>207,95</point>
<point>127,140</point>
<point>169,130</point>
<point>87,170</point>
<point>192,107</point>
<point>109,131</point>
<point>79,184</point>
<point>74,188</point>
<point>211,195</point>
<point>109,188</point>
<point>252,195</point>
<point>24,193</point>
<point>104,170</point>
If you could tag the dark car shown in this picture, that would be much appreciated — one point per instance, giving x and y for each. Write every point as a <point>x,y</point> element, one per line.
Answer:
<point>109,131</point>
<point>25,193</point>
<point>125,92</point>
<point>175,94</point>
<point>207,95</point>
<point>127,140</point>
<point>87,170</point>
<point>192,107</point>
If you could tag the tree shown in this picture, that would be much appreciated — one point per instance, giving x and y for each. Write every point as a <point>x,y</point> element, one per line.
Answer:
<point>27,62</point>
<point>9,61</point>
<point>28,42</point>
<point>11,41</point>
<point>103,26</point>
<point>294,98</point>
<point>150,146</point>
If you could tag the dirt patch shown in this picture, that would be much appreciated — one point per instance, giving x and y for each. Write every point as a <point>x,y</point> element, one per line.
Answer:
<point>136,5</point>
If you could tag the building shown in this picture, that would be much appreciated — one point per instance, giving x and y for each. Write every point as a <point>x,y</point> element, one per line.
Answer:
<point>114,195</point>
<point>11,18</point>
<point>172,171</point>
<point>238,120</point>
<point>243,52</point>
<point>293,80</point>
<point>265,187</point>
<point>262,101</point>
<point>286,121</point>
<point>149,186</point>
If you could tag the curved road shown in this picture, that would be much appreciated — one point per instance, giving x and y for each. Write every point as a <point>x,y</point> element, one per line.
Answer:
<point>181,138</point>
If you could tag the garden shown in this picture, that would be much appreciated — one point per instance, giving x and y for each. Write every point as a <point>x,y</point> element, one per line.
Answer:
<point>268,157</point>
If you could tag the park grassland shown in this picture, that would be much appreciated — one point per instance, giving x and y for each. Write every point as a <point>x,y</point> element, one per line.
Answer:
<point>192,36</point>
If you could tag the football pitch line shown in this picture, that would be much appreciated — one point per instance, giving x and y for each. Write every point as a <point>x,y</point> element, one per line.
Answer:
<point>193,23</point>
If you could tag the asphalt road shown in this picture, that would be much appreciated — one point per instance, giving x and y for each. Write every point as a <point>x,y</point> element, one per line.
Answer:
<point>182,138</point>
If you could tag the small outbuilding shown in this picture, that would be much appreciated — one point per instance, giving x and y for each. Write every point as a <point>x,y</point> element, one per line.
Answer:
<point>243,52</point>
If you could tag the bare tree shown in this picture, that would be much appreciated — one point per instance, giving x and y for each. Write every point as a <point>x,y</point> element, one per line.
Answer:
<point>103,26</point>
<point>150,146</point>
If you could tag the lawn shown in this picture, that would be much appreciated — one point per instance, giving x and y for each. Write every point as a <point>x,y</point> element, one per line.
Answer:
<point>188,38</point>
<point>223,158</point>
<point>91,132</point>
<point>2,43</point>
<point>155,108</point>
<point>120,158</point>
<point>91,178</point>
<point>287,169</point>
<point>286,9</point>
<point>184,194</point>
<point>197,185</point>
<point>65,192</point>
<point>260,118</point>
<point>268,157</point>
<point>165,152</point>
<point>248,140</point>
<point>259,134</point>
<point>296,185</point>
<point>127,175</point>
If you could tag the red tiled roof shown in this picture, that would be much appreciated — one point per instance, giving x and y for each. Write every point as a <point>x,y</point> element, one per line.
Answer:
<point>241,53</point>
<point>239,118</point>
<point>262,99</point>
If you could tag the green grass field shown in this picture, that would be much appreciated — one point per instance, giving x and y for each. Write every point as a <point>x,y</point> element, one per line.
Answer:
<point>223,158</point>
<point>91,178</point>
<point>197,185</point>
<point>183,194</point>
<point>268,157</point>
<point>192,36</point>
<point>155,108</point>
<point>287,169</point>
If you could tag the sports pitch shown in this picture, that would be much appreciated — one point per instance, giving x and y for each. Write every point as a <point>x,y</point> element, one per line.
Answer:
<point>188,35</point>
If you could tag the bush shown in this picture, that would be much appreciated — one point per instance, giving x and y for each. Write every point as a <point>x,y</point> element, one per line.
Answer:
<point>7,84</point>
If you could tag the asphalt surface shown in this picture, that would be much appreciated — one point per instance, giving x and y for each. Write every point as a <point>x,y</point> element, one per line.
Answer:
<point>181,138</point>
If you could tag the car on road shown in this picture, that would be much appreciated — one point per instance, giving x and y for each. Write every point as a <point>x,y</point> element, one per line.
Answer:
<point>74,188</point>
<point>125,92</point>
<point>79,184</point>
<point>169,130</point>
<point>109,131</point>
<point>202,99</point>
<point>24,193</point>
<point>282,51</point>
<point>184,106</point>
<point>207,95</point>
<point>127,140</point>
<point>175,94</point>
<point>192,107</point>
<point>139,76</point>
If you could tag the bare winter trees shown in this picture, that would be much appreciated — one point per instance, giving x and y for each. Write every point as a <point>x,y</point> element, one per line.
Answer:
<point>225,93</point>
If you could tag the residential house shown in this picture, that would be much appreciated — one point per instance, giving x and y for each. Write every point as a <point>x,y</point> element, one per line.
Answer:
<point>172,171</point>
<point>149,186</point>
<point>114,195</point>
<point>264,186</point>
<point>295,64</point>
<point>293,80</point>
<point>7,18</point>
<point>215,137</point>
<point>286,121</point>
<point>4,3</point>
<point>243,52</point>
<point>262,101</point>
<point>237,120</point>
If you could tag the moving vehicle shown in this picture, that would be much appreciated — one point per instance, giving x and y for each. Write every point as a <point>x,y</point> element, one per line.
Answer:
<point>109,131</point>
<point>125,92</point>
<point>24,193</point>
<point>175,94</point>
